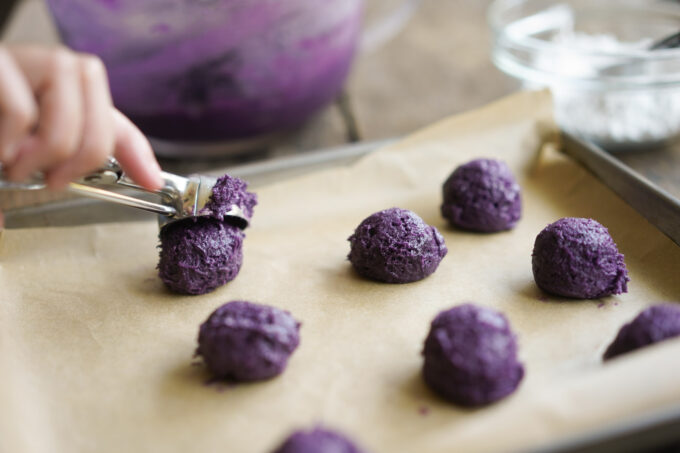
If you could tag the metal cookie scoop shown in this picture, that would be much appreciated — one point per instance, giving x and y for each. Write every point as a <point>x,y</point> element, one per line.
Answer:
<point>180,197</point>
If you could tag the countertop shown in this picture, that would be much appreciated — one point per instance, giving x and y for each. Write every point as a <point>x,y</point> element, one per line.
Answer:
<point>437,65</point>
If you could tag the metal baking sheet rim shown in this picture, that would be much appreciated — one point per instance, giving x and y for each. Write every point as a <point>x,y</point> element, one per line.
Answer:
<point>655,429</point>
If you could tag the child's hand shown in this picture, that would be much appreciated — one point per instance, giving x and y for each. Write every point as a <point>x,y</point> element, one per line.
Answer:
<point>56,116</point>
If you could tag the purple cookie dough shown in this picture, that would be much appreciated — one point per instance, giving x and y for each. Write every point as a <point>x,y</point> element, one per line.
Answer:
<point>482,195</point>
<point>247,342</point>
<point>396,246</point>
<point>654,324</point>
<point>471,356</point>
<point>317,440</point>
<point>199,255</point>
<point>577,258</point>
<point>227,192</point>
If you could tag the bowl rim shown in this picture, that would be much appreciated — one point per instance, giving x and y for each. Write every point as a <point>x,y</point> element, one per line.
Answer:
<point>499,28</point>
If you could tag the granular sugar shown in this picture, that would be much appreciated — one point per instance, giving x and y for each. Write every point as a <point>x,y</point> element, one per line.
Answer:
<point>617,118</point>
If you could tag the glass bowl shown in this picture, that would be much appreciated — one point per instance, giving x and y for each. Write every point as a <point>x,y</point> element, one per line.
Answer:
<point>607,85</point>
<point>216,70</point>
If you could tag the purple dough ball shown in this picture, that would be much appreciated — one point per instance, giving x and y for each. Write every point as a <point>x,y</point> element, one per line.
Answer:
<point>247,342</point>
<point>317,440</point>
<point>227,192</point>
<point>471,356</point>
<point>482,195</point>
<point>654,324</point>
<point>198,255</point>
<point>577,258</point>
<point>396,246</point>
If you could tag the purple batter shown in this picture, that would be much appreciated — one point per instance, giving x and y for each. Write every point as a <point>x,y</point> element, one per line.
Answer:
<point>482,195</point>
<point>229,191</point>
<point>206,70</point>
<point>577,258</point>
<point>654,324</point>
<point>199,255</point>
<point>396,246</point>
<point>244,341</point>
<point>317,440</point>
<point>471,356</point>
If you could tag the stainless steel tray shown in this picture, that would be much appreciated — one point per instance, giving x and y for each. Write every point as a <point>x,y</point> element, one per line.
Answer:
<point>649,433</point>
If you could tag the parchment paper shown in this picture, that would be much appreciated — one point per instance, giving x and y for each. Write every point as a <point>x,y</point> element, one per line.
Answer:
<point>95,355</point>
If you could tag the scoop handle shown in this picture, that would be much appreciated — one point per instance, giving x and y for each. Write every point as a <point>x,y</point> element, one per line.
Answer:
<point>119,198</point>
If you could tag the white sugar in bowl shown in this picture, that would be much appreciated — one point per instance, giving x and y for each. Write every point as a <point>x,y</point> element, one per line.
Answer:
<point>607,85</point>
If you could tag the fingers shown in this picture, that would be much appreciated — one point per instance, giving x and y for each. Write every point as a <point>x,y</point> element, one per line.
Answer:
<point>134,154</point>
<point>56,116</point>
<point>54,76</point>
<point>98,135</point>
<point>18,109</point>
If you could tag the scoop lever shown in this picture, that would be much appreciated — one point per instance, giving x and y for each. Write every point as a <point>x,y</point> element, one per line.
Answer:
<point>180,197</point>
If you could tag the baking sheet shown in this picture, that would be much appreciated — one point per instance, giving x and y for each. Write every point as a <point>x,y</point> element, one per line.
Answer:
<point>96,356</point>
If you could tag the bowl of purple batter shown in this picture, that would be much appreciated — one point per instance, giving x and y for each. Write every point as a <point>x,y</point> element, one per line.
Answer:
<point>197,71</point>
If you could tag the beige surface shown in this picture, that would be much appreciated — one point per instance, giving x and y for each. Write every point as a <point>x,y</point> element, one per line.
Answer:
<point>96,356</point>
